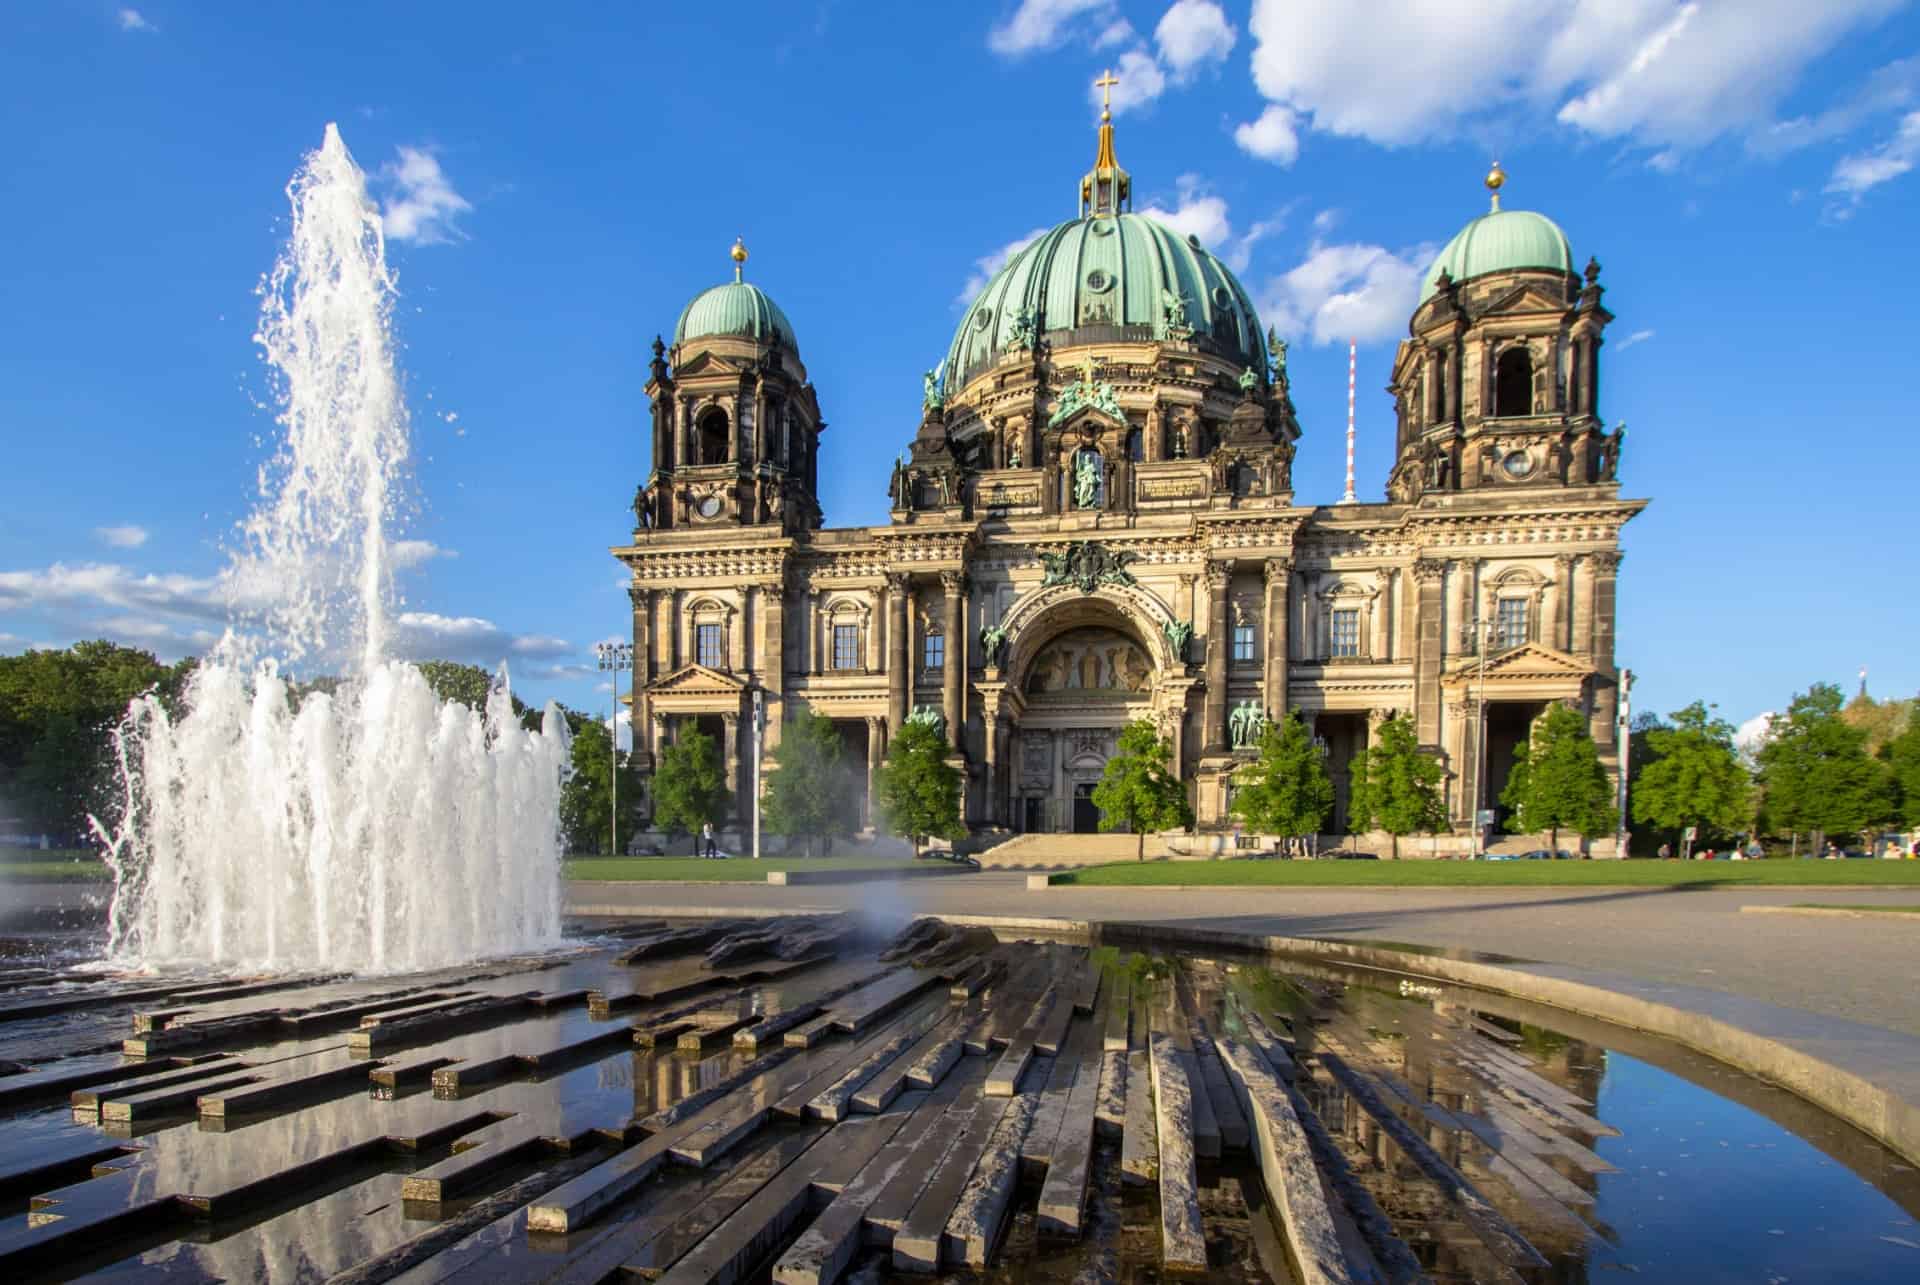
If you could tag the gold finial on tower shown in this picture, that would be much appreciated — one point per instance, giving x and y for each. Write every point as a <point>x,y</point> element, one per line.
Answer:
<point>1105,85</point>
<point>739,256</point>
<point>1496,179</point>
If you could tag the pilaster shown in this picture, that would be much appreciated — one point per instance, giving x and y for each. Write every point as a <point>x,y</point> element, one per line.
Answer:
<point>954,671</point>
<point>1279,573</point>
<point>1214,736</point>
<point>1429,578</point>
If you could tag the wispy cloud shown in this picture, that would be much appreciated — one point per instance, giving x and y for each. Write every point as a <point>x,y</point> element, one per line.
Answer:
<point>1199,213</point>
<point>121,537</point>
<point>132,20</point>
<point>1856,175</point>
<point>1192,34</point>
<point>1041,24</point>
<point>1351,290</point>
<point>1271,136</point>
<point>408,554</point>
<point>1637,337</point>
<point>985,266</point>
<point>423,206</point>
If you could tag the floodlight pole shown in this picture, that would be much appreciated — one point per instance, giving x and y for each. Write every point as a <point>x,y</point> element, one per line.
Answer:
<point>614,657</point>
<point>1623,746</point>
<point>759,709</point>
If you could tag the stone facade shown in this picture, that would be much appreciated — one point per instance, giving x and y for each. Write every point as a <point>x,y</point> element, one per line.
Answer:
<point>1098,524</point>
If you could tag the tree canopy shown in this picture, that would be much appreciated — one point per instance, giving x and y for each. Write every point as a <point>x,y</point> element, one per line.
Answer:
<point>1395,785</point>
<point>1903,762</point>
<point>586,798</point>
<point>689,787</point>
<point>1693,776</point>
<point>1815,770</point>
<point>916,791</point>
<point>1138,792</point>
<point>1557,782</point>
<point>1286,791</point>
<point>807,788</point>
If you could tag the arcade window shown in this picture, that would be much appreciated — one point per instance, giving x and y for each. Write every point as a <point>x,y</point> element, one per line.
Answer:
<point>1510,622</point>
<point>706,645</point>
<point>1346,632</point>
<point>1243,642</point>
<point>846,646</point>
<point>933,651</point>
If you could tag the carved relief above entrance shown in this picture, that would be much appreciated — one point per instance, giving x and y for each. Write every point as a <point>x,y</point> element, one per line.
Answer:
<point>1089,660</point>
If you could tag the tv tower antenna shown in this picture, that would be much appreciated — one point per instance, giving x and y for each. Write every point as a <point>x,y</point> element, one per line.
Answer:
<point>1352,346</point>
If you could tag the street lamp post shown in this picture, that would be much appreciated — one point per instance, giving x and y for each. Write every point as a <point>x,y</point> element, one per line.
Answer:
<point>759,716</point>
<point>614,657</point>
<point>1623,746</point>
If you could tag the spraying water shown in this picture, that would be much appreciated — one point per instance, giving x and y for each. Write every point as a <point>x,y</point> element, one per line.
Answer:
<point>372,828</point>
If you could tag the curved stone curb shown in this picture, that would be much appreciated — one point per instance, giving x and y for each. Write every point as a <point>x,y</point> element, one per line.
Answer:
<point>1833,912</point>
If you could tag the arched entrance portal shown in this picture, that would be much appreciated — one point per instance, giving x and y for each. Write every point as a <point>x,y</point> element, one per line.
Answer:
<point>1081,668</point>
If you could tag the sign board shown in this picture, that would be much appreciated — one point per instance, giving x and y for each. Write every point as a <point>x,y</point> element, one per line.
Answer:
<point>1691,833</point>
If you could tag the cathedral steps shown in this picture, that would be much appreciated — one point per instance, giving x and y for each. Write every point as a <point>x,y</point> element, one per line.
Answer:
<point>1067,851</point>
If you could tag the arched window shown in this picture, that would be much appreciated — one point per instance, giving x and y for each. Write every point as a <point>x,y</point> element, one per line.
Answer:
<point>713,430</point>
<point>1513,382</point>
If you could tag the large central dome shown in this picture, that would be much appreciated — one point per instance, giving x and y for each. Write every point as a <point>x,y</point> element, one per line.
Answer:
<point>1109,277</point>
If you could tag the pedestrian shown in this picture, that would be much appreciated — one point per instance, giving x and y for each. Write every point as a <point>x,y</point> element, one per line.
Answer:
<point>1666,852</point>
<point>706,838</point>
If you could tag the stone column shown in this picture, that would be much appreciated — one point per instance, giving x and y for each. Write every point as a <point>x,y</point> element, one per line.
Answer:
<point>1382,646</point>
<point>809,620</point>
<point>1279,577</point>
<point>900,660</point>
<point>730,734</point>
<point>1219,574</point>
<point>770,618</point>
<point>876,732</point>
<point>991,726</point>
<point>1562,598</point>
<point>677,642</point>
<point>642,600</point>
<point>1465,610</point>
<point>736,625</point>
<point>954,671</point>
<point>1580,598</point>
<point>1606,695</point>
<point>1429,579</point>
<point>873,657</point>
<point>1459,750</point>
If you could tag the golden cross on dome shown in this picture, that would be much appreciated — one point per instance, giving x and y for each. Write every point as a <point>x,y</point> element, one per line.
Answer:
<point>1105,85</point>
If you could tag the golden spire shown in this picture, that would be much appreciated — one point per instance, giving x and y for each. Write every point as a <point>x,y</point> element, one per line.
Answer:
<point>739,256</point>
<point>1496,178</point>
<point>1104,160</point>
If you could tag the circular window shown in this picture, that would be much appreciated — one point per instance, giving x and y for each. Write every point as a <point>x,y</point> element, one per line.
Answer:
<point>1194,241</point>
<point>1099,281</point>
<point>710,506</point>
<point>1103,227</point>
<point>982,318</point>
<point>1517,464</point>
<point>1222,297</point>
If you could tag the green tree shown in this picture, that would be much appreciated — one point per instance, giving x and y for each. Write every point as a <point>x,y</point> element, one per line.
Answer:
<point>1138,792</point>
<point>1395,785</point>
<point>1903,763</point>
<point>1286,790</point>
<point>1557,782</point>
<point>586,798</point>
<point>916,790</point>
<point>1693,776</point>
<point>807,790</point>
<point>689,788</point>
<point>1816,773</point>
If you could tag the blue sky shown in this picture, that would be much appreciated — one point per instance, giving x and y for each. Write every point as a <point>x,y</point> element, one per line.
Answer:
<point>557,182</point>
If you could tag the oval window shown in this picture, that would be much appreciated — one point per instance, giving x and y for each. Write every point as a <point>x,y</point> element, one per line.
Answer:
<point>1222,297</point>
<point>1517,464</point>
<point>1103,227</point>
<point>1099,281</point>
<point>982,318</point>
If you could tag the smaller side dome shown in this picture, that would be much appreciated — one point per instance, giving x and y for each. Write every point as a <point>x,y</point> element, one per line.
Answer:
<point>1501,241</point>
<point>737,308</point>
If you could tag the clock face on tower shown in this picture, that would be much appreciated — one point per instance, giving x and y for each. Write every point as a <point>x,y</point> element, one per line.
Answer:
<point>709,506</point>
<point>1517,464</point>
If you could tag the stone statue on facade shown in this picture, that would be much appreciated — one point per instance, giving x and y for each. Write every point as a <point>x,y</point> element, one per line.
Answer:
<point>935,397</point>
<point>1245,724</point>
<point>1013,453</point>
<point>1173,311</point>
<point>1180,440</point>
<point>1277,357</point>
<point>993,644</point>
<point>1179,634</point>
<point>1021,334</point>
<point>930,717</point>
<point>1610,468</point>
<point>1086,479</point>
<point>1086,566</point>
<point>1248,381</point>
<point>643,507</point>
<point>897,486</point>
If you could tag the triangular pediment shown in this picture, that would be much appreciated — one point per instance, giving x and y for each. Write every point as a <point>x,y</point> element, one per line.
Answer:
<point>1526,297</point>
<point>1527,661</point>
<point>1088,411</point>
<point>697,680</point>
<point>707,363</point>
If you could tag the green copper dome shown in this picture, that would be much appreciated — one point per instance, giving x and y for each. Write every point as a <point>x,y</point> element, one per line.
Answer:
<point>1502,241</point>
<point>1108,278</point>
<point>736,308</point>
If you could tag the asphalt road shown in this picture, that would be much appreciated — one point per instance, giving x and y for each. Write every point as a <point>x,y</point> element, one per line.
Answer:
<point>1862,970</point>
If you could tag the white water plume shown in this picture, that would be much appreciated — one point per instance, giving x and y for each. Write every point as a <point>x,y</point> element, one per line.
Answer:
<point>373,827</point>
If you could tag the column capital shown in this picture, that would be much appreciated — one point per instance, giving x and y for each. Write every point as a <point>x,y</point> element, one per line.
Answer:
<point>1218,574</point>
<point>896,582</point>
<point>732,720</point>
<point>1606,562</point>
<point>1279,566</point>
<point>953,583</point>
<point>1429,570</point>
<point>640,598</point>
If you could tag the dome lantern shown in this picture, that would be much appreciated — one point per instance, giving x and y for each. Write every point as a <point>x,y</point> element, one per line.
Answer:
<point>736,308</point>
<point>1501,241</point>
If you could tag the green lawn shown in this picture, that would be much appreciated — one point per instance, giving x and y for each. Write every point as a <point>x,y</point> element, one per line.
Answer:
<point>723,870</point>
<point>28,865</point>
<point>1490,874</point>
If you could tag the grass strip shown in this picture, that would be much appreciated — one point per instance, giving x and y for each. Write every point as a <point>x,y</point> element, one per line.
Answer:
<point>1495,874</point>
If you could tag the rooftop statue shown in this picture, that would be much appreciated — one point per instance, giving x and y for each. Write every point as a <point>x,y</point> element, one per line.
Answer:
<point>1248,381</point>
<point>1020,335</point>
<point>935,397</point>
<point>1086,393</point>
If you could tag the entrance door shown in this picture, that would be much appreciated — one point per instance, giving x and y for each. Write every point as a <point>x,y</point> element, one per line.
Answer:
<point>1034,815</point>
<point>1086,817</point>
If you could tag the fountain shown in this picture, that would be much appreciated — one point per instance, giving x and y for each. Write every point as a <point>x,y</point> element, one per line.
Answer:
<point>373,828</point>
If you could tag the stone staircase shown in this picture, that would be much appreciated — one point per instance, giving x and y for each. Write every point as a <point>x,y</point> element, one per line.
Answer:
<point>1066,851</point>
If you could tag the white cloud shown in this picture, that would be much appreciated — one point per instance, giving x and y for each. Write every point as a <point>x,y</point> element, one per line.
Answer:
<point>1362,292</point>
<point>408,554</point>
<point>1657,72</point>
<point>128,536</point>
<point>1271,137</point>
<point>1859,173</point>
<point>424,205</point>
<point>983,269</point>
<point>1748,736</point>
<point>1118,32</point>
<point>1141,81</point>
<point>1191,34</point>
<point>1198,213</point>
<point>1040,24</point>
<point>427,635</point>
<point>131,20</point>
<point>1637,337</point>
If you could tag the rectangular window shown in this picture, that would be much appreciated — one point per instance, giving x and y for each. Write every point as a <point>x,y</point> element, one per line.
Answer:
<point>706,646</point>
<point>1510,622</point>
<point>1243,642</point>
<point>846,646</point>
<point>1346,632</point>
<point>933,651</point>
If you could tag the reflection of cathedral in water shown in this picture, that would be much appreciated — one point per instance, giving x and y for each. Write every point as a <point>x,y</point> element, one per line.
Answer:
<point>1095,521</point>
